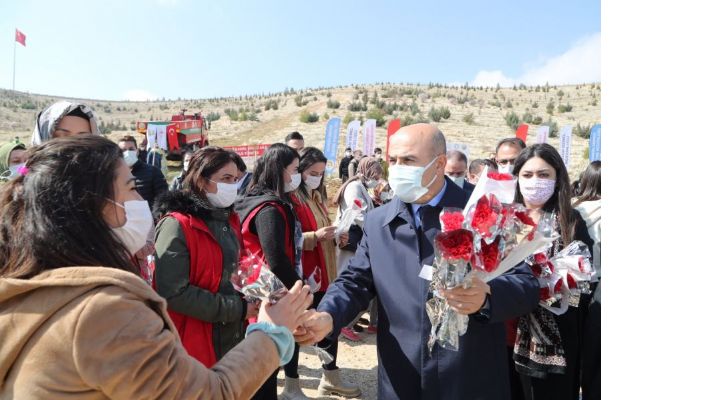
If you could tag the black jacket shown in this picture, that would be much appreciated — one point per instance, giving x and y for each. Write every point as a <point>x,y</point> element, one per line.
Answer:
<point>150,182</point>
<point>343,169</point>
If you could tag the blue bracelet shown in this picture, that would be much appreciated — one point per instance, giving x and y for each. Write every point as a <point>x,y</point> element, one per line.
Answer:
<point>282,337</point>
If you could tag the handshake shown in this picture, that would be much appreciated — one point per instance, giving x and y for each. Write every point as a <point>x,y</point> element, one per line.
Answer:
<point>291,310</point>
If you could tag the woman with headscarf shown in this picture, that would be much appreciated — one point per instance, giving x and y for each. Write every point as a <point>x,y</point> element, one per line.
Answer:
<point>12,157</point>
<point>64,118</point>
<point>369,173</point>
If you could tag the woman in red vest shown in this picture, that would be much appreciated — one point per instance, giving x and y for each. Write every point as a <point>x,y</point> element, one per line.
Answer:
<point>270,228</point>
<point>319,266</point>
<point>198,241</point>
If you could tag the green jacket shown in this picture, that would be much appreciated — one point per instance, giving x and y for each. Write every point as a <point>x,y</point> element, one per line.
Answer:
<point>226,308</point>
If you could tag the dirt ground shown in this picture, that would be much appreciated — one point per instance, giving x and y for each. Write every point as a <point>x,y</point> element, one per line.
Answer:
<point>357,361</point>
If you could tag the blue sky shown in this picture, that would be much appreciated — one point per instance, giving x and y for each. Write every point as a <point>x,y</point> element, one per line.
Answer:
<point>192,49</point>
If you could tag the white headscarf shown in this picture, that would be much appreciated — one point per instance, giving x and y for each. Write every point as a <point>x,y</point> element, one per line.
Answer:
<point>48,119</point>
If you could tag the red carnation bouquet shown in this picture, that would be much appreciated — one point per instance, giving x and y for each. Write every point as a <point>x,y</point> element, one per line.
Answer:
<point>256,282</point>
<point>563,277</point>
<point>453,249</point>
<point>488,239</point>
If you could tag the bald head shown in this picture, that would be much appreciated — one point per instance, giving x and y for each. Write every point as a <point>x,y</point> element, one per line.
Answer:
<point>421,145</point>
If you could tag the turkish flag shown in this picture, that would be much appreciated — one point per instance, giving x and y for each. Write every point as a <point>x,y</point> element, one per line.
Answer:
<point>20,37</point>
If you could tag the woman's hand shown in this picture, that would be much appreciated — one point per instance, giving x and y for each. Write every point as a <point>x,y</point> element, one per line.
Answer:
<point>326,233</point>
<point>290,310</point>
<point>343,239</point>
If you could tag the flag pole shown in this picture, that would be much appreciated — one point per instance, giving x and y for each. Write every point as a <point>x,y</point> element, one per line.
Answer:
<point>14,62</point>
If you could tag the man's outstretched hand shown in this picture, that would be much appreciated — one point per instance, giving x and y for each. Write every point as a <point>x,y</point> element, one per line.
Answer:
<point>316,327</point>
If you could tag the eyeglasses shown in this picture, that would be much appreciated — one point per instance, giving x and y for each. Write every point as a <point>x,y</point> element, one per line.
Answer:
<point>505,162</point>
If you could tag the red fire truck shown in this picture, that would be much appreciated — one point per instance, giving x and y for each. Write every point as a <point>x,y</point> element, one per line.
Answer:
<point>184,131</point>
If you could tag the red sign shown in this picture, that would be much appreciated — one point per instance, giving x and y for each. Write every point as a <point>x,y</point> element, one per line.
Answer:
<point>250,150</point>
<point>20,37</point>
<point>391,129</point>
<point>522,132</point>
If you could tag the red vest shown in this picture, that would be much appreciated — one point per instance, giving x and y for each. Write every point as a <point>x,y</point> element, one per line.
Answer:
<point>206,273</point>
<point>251,240</point>
<point>314,258</point>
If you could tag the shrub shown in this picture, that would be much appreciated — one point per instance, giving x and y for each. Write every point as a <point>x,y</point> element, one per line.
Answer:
<point>564,108</point>
<point>537,120</point>
<point>534,105</point>
<point>508,104</point>
<point>28,105</point>
<point>437,114</point>
<point>348,118</point>
<point>527,118</point>
<point>560,93</point>
<point>271,105</point>
<point>468,118</point>
<point>512,120</point>
<point>583,131</point>
<point>334,104</point>
<point>308,117</point>
<point>551,107</point>
<point>300,102</point>
<point>554,129</point>
<point>378,115</point>
<point>357,106</point>
<point>417,119</point>
<point>213,116</point>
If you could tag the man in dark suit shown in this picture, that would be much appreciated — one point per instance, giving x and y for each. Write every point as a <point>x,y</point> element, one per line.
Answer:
<point>456,168</point>
<point>396,248</point>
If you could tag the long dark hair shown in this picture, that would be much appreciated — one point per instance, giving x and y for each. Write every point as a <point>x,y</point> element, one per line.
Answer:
<point>51,217</point>
<point>590,185</point>
<point>310,156</point>
<point>206,162</point>
<point>561,200</point>
<point>268,176</point>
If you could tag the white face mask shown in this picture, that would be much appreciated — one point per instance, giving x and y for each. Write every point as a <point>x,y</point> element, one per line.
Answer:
<point>458,180</point>
<point>536,191</point>
<point>406,181</point>
<point>295,183</point>
<point>371,184</point>
<point>139,223</point>
<point>226,194</point>
<point>313,182</point>
<point>505,169</point>
<point>385,196</point>
<point>130,157</point>
<point>15,169</point>
<point>185,166</point>
<point>348,154</point>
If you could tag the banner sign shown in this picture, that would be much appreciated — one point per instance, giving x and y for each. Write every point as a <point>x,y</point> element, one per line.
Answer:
<point>566,143</point>
<point>330,149</point>
<point>368,138</point>
<point>522,132</point>
<point>391,129</point>
<point>352,135</point>
<point>595,143</point>
<point>542,133</point>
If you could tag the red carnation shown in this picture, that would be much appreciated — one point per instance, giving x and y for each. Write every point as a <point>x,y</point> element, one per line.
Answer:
<point>500,177</point>
<point>452,220</point>
<point>571,283</point>
<point>540,258</point>
<point>490,254</point>
<point>525,218</point>
<point>544,293</point>
<point>536,269</point>
<point>558,286</point>
<point>582,263</point>
<point>455,245</point>
<point>484,217</point>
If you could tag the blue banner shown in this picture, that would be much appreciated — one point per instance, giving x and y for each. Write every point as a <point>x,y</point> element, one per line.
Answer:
<point>595,143</point>
<point>330,149</point>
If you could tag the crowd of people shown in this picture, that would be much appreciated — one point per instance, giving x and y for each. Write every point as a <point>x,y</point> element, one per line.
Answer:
<point>115,284</point>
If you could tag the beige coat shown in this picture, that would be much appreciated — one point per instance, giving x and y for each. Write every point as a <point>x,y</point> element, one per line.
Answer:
<point>97,333</point>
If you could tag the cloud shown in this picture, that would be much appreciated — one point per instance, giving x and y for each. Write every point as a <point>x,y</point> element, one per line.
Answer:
<point>580,64</point>
<point>139,95</point>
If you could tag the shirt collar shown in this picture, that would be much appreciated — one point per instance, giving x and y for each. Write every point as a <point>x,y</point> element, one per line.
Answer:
<point>433,202</point>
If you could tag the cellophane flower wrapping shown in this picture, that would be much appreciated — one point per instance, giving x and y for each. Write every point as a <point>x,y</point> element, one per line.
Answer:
<point>564,277</point>
<point>256,282</point>
<point>349,216</point>
<point>453,248</point>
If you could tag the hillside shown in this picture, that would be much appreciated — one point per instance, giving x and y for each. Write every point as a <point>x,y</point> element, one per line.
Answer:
<point>477,115</point>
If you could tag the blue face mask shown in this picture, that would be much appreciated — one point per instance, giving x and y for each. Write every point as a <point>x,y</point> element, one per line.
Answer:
<point>406,181</point>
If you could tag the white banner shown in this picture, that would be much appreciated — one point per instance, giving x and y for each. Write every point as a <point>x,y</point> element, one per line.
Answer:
<point>368,138</point>
<point>566,143</point>
<point>542,133</point>
<point>351,138</point>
